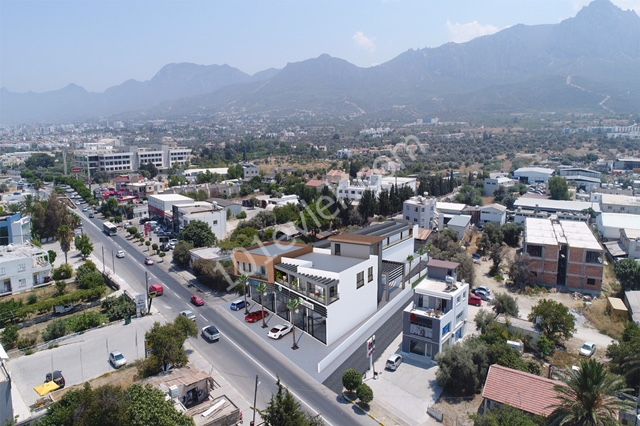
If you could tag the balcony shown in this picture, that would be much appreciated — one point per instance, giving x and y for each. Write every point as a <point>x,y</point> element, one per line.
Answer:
<point>421,331</point>
<point>430,312</point>
<point>317,292</point>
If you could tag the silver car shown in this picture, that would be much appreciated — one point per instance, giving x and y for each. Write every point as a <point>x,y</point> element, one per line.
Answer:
<point>211,333</point>
<point>188,314</point>
<point>117,360</point>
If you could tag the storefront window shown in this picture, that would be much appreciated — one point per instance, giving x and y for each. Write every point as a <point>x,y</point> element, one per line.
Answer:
<point>317,326</point>
<point>417,347</point>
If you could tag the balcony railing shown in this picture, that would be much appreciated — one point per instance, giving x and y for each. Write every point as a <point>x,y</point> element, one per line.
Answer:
<point>430,312</point>
<point>325,299</point>
<point>418,330</point>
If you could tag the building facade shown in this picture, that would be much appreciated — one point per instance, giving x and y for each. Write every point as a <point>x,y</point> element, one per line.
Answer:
<point>493,213</point>
<point>210,213</point>
<point>15,229</point>
<point>23,268</point>
<point>421,211</point>
<point>533,175</point>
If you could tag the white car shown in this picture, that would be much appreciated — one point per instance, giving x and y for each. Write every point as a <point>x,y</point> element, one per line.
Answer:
<point>120,254</point>
<point>280,330</point>
<point>189,315</point>
<point>211,333</point>
<point>485,289</point>
<point>116,359</point>
<point>588,349</point>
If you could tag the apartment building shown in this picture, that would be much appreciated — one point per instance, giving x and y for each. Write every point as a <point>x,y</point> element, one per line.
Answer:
<point>23,268</point>
<point>353,189</point>
<point>15,229</point>
<point>496,181</point>
<point>421,210</point>
<point>210,213</point>
<point>436,319</point>
<point>565,254</point>
<point>614,203</point>
<point>249,171</point>
<point>110,160</point>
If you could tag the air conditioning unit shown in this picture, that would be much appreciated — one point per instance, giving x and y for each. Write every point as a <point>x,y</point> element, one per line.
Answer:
<point>450,280</point>
<point>174,391</point>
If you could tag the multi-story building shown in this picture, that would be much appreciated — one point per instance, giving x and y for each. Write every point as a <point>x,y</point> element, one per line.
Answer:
<point>630,242</point>
<point>493,213</point>
<point>421,210</point>
<point>111,161</point>
<point>249,171</point>
<point>354,189</point>
<point>23,268</point>
<point>161,205</point>
<point>565,254</point>
<point>15,229</point>
<point>210,213</point>
<point>610,224</point>
<point>613,203</point>
<point>627,164</point>
<point>496,181</point>
<point>437,317</point>
<point>533,175</point>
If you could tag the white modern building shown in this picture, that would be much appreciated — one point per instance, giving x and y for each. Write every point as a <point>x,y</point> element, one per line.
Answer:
<point>161,205</point>
<point>610,224</point>
<point>578,171</point>
<point>210,213</point>
<point>249,171</point>
<point>15,229</point>
<point>23,268</point>
<point>447,211</point>
<point>496,181</point>
<point>461,225</point>
<point>353,189</point>
<point>630,242</point>
<point>533,175</point>
<point>493,213</point>
<point>421,210</point>
<point>614,203</point>
<point>111,160</point>
<point>436,319</point>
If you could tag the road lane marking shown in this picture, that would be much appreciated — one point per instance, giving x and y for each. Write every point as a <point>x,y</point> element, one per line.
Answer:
<point>203,317</point>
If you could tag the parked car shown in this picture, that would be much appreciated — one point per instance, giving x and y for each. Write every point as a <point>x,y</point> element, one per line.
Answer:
<point>188,314</point>
<point>393,362</point>
<point>485,289</point>
<point>483,295</point>
<point>156,290</point>
<point>173,241</point>
<point>280,330</point>
<point>148,261</point>
<point>256,316</point>
<point>120,254</point>
<point>55,377</point>
<point>211,333</point>
<point>475,300</point>
<point>238,304</point>
<point>52,382</point>
<point>588,349</point>
<point>117,360</point>
<point>197,300</point>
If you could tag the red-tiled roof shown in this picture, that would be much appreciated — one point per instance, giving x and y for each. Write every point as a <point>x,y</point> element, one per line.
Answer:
<point>444,264</point>
<point>315,183</point>
<point>524,391</point>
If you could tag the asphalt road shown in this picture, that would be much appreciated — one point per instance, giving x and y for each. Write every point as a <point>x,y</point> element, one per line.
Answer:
<point>238,356</point>
<point>81,357</point>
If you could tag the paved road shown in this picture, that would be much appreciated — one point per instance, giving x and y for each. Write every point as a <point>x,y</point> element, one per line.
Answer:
<point>238,356</point>
<point>81,357</point>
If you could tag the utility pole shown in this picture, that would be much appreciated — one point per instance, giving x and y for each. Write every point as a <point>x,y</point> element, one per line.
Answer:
<point>103,264</point>
<point>146,286</point>
<point>255,397</point>
<point>113,262</point>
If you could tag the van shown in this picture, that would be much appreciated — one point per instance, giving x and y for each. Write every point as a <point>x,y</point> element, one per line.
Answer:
<point>238,304</point>
<point>393,362</point>
<point>156,290</point>
<point>516,344</point>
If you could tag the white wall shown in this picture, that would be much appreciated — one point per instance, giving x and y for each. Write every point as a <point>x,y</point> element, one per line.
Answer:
<point>493,217</point>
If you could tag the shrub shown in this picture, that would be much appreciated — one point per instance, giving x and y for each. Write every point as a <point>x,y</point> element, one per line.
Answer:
<point>116,308</point>
<point>54,330</point>
<point>91,280</point>
<point>85,321</point>
<point>61,286</point>
<point>63,272</point>
<point>9,337</point>
<point>364,393</point>
<point>351,379</point>
<point>27,341</point>
<point>241,215</point>
<point>33,298</point>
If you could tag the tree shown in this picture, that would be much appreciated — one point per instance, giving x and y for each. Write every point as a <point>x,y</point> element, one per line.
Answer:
<point>589,396</point>
<point>165,343</point>
<point>368,205</point>
<point>483,320</point>
<point>469,195</point>
<point>51,254</point>
<point>199,234</point>
<point>149,406</point>
<point>351,379</point>
<point>511,232</point>
<point>463,368</point>
<point>506,416</point>
<point>60,287</point>
<point>558,188</point>
<point>182,253</point>
<point>504,303</point>
<point>262,292</point>
<point>293,305</point>
<point>628,273</point>
<point>65,235</point>
<point>491,235</point>
<point>520,273</point>
<point>39,161</point>
<point>284,410</point>
<point>496,254</point>
<point>148,244</point>
<point>148,170</point>
<point>624,355</point>
<point>154,247</point>
<point>554,320</point>
<point>384,203</point>
<point>364,394</point>
<point>242,283</point>
<point>84,244</point>
<point>9,336</point>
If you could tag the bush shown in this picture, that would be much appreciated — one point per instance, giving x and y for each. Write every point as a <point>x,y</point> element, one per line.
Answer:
<point>117,308</point>
<point>351,379</point>
<point>91,280</point>
<point>546,346</point>
<point>27,341</point>
<point>9,337</point>
<point>33,298</point>
<point>63,272</point>
<point>364,393</point>
<point>54,330</point>
<point>241,215</point>
<point>85,321</point>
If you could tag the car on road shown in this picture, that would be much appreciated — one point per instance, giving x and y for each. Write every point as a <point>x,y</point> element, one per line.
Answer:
<point>91,215</point>
<point>475,300</point>
<point>256,316</point>
<point>483,295</point>
<point>156,290</point>
<point>188,314</point>
<point>148,261</point>
<point>588,349</point>
<point>120,254</point>
<point>211,333</point>
<point>393,362</point>
<point>197,300</point>
<point>280,330</point>
<point>173,241</point>
<point>238,304</point>
<point>85,209</point>
<point>117,360</point>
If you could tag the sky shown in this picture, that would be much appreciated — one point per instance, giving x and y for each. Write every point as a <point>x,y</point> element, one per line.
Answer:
<point>47,44</point>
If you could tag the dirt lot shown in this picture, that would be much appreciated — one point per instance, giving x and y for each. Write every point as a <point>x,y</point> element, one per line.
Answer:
<point>457,410</point>
<point>124,377</point>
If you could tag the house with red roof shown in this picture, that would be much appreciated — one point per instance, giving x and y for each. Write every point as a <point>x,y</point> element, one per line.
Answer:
<point>524,391</point>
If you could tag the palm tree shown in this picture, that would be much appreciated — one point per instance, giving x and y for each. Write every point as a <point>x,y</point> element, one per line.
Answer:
<point>589,397</point>
<point>65,235</point>
<point>293,305</point>
<point>262,291</point>
<point>410,260</point>
<point>242,282</point>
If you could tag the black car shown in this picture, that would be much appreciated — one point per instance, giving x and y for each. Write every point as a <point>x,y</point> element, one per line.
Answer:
<point>55,377</point>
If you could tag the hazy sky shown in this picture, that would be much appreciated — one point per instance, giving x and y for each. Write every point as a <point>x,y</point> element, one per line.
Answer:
<point>48,44</point>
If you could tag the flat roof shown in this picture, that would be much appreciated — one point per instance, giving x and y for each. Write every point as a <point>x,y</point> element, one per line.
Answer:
<point>431,285</point>
<point>625,200</point>
<point>557,205</point>
<point>620,220</point>
<point>542,170</point>
<point>274,249</point>
<point>441,205</point>
<point>548,232</point>
<point>170,197</point>
<point>356,239</point>
<point>213,170</point>
<point>328,262</point>
<point>444,264</point>
<point>460,220</point>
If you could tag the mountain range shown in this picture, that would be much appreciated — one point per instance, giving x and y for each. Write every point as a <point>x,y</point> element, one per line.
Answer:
<point>590,63</point>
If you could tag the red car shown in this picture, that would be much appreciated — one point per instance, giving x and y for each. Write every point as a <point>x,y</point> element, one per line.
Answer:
<point>475,300</point>
<point>197,300</point>
<point>256,316</point>
<point>156,290</point>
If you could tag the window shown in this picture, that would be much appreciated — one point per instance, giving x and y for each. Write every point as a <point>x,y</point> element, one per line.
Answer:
<point>336,249</point>
<point>593,257</point>
<point>591,281</point>
<point>417,347</point>
<point>2,271</point>
<point>360,279</point>
<point>446,329</point>
<point>22,267</point>
<point>370,274</point>
<point>459,317</point>
<point>534,251</point>
<point>407,217</point>
<point>215,222</point>
<point>458,299</point>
